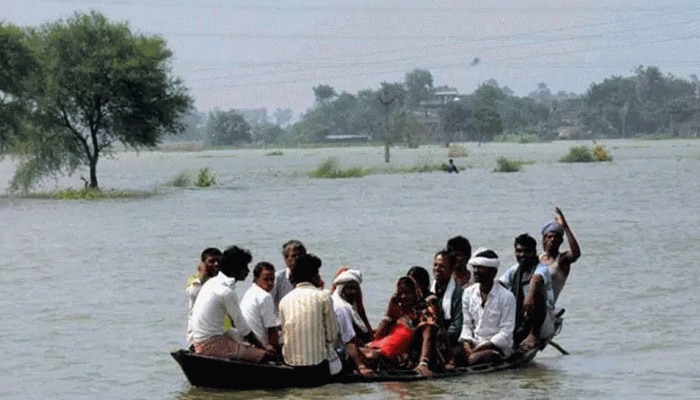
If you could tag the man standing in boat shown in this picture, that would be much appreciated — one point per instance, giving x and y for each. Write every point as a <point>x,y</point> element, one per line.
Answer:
<point>559,263</point>
<point>309,326</point>
<point>488,314</point>
<point>531,285</point>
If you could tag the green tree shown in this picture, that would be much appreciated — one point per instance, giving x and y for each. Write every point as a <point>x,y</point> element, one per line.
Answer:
<point>487,123</point>
<point>324,93</point>
<point>419,87</point>
<point>227,128</point>
<point>456,120</point>
<point>19,70</point>
<point>104,85</point>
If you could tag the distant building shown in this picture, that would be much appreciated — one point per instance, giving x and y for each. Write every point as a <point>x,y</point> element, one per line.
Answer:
<point>349,138</point>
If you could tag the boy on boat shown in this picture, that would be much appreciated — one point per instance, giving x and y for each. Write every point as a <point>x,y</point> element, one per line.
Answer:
<point>258,308</point>
<point>207,268</point>
<point>218,299</point>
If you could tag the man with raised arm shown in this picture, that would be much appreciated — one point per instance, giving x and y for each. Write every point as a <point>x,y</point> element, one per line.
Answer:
<point>559,263</point>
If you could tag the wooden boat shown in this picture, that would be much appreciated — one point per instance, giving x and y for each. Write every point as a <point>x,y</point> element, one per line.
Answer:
<point>218,373</point>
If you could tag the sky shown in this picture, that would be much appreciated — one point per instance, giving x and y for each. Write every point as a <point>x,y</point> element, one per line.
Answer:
<point>271,53</point>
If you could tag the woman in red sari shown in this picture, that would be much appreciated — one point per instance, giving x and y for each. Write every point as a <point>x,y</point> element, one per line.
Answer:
<point>408,322</point>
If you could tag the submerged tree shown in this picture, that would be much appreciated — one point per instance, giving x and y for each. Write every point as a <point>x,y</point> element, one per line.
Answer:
<point>104,85</point>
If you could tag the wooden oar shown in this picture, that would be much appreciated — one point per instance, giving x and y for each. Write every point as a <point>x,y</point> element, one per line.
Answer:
<point>558,347</point>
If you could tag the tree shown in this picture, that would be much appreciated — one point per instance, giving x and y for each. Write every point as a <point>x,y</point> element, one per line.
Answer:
<point>487,123</point>
<point>324,93</point>
<point>226,128</point>
<point>455,120</point>
<point>419,87</point>
<point>104,85</point>
<point>18,66</point>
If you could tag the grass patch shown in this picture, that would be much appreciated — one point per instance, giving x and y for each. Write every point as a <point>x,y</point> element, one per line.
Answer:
<point>518,138</point>
<point>181,146</point>
<point>88,194</point>
<point>205,178</point>
<point>504,164</point>
<point>419,167</point>
<point>180,180</point>
<point>330,168</point>
<point>457,151</point>
<point>275,153</point>
<point>578,154</point>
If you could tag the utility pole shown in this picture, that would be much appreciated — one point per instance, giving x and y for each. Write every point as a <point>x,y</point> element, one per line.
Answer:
<point>386,101</point>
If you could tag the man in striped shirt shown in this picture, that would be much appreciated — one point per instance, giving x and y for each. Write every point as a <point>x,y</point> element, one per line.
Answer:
<point>308,321</point>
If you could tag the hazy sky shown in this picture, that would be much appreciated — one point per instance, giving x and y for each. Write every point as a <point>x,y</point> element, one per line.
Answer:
<point>250,54</point>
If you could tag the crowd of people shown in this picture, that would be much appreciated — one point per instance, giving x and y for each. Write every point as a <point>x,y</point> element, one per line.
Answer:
<point>457,318</point>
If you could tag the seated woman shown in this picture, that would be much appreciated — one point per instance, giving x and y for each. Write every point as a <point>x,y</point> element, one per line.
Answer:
<point>444,354</point>
<point>407,324</point>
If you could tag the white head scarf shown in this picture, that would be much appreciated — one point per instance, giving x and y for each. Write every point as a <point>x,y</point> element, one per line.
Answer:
<point>350,275</point>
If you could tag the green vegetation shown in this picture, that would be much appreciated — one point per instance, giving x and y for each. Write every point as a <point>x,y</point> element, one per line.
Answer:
<point>88,194</point>
<point>275,153</point>
<point>205,178</point>
<point>83,86</point>
<point>419,167</point>
<point>518,138</point>
<point>504,164</point>
<point>180,180</point>
<point>330,168</point>
<point>456,150</point>
<point>578,154</point>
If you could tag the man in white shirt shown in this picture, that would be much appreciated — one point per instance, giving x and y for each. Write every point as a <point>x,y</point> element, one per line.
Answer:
<point>218,299</point>
<point>488,313</point>
<point>258,307</point>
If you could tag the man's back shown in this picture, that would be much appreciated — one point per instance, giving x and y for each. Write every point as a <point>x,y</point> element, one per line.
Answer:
<point>309,326</point>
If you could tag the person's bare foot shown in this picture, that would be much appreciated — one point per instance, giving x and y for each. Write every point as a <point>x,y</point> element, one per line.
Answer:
<point>530,342</point>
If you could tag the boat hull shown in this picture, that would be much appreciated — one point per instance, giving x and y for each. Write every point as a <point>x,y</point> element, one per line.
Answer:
<point>218,373</point>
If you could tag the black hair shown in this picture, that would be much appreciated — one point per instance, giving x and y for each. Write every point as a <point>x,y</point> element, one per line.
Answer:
<point>461,244</point>
<point>260,267</point>
<point>422,277</point>
<point>233,260</point>
<point>527,241</point>
<point>210,252</point>
<point>449,256</point>
<point>306,269</point>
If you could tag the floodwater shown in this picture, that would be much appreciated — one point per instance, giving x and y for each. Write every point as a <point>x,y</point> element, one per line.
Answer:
<point>93,291</point>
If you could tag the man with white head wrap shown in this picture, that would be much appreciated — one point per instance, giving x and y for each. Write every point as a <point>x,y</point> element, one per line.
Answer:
<point>488,313</point>
<point>346,294</point>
